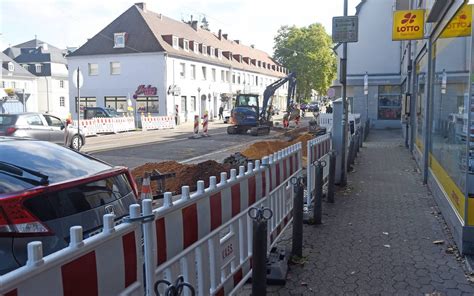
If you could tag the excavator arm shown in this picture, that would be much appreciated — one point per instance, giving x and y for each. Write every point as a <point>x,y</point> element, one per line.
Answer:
<point>270,91</point>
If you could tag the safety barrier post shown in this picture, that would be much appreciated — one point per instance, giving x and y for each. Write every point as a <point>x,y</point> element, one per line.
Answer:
<point>196,126</point>
<point>146,188</point>
<point>148,229</point>
<point>205,124</point>
<point>318,196</point>
<point>260,217</point>
<point>332,175</point>
<point>297,243</point>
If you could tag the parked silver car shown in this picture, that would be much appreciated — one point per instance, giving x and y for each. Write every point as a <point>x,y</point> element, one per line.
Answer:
<point>45,189</point>
<point>45,127</point>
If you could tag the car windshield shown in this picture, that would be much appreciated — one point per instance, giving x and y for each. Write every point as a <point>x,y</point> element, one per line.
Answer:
<point>6,119</point>
<point>112,112</point>
<point>56,162</point>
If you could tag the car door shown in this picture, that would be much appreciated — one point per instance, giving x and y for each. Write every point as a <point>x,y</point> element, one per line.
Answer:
<point>56,129</point>
<point>36,127</point>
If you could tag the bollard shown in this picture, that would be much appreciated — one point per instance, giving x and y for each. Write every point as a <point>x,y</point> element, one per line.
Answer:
<point>205,123</point>
<point>146,188</point>
<point>318,195</point>
<point>332,175</point>
<point>361,140</point>
<point>297,243</point>
<point>176,288</point>
<point>357,143</point>
<point>260,218</point>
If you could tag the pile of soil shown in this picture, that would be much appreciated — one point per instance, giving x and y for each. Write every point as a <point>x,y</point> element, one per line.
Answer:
<point>265,148</point>
<point>186,174</point>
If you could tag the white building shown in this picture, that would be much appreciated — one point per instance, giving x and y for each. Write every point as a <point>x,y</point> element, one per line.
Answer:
<point>48,64</point>
<point>18,87</point>
<point>156,63</point>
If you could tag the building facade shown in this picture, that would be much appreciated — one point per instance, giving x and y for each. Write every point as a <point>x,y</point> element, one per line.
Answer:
<point>49,65</point>
<point>376,55</point>
<point>18,88</point>
<point>152,64</point>
<point>437,75</point>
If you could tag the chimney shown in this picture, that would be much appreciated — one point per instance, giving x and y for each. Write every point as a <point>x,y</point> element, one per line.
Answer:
<point>141,5</point>
<point>225,36</point>
<point>237,41</point>
<point>160,16</point>
<point>252,45</point>
<point>194,24</point>
<point>220,34</point>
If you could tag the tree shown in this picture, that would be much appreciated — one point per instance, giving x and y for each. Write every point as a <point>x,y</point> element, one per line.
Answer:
<point>308,52</point>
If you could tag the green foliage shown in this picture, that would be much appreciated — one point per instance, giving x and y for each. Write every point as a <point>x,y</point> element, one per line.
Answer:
<point>307,51</point>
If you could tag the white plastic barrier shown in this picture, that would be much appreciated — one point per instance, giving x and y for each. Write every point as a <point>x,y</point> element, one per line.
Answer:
<point>100,125</point>
<point>356,119</point>
<point>157,122</point>
<point>325,120</point>
<point>109,263</point>
<point>318,149</point>
<point>207,236</point>
<point>88,127</point>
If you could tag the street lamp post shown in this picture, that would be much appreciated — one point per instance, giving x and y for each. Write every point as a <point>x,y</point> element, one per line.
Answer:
<point>199,100</point>
<point>345,119</point>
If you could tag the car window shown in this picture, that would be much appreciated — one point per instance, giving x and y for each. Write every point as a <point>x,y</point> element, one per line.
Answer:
<point>34,120</point>
<point>100,113</point>
<point>6,119</point>
<point>53,121</point>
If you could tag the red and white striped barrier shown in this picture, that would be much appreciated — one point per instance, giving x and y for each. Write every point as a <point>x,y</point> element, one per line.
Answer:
<point>205,124</point>
<point>196,126</point>
<point>106,264</point>
<point>157,122</point>
<point>207,237</point>
<point>100,125</point>
<point>318,149</point>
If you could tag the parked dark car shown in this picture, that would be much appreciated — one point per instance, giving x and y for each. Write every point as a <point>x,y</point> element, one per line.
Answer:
<point>45,189</point>
<point>45,127</point>
<point>313,107</point>
<point>91,112</point>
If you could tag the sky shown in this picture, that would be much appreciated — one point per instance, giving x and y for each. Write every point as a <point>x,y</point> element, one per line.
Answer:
<point>69,23</point>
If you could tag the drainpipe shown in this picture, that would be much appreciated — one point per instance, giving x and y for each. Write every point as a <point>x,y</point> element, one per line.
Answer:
<point>47,94</point>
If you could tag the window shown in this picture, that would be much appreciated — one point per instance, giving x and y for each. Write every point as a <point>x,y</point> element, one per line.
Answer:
<point>53,121</point>
<point>389,107</point>
<point>11,67</point>
<point>13,84</point>
<point>148,105</point>
<point>119,40</point>
<point>204,73</point>
<point>62,102</point>
<point>238,79</point>
<point>117,103</point>
<point>86,102</point>
<point>186,45</point>
<point>204,49</point>
<point>193,72</point>
<point>184,105</point>
<point>38,68</point>
<point>193,103</point>
<point>61,83</point>
<point>219,54</point>
<point>227,76</point>
<point>233,78</point>
<point>175,42</point>
<point>212,53</point>
<point>256,80</point>
<point>196,47</point>
<point>222,75</point>
<point>214,75</point>
<point>26,66</point>
<point>34,120</point>
<point>182,70</point>
<point>93,69</point>
<point>114,68</point>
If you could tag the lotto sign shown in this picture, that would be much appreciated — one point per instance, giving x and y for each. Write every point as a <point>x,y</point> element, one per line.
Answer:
<point>408,24</point>
<point>460,24</point>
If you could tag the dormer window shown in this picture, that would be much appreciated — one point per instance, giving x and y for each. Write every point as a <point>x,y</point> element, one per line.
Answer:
<point>119,40</point>
<point>38,68</point>
<point>196,47</point>
<point>11,67</point>
<point>26,66</point>
<point>175,42</point>
<point>186,45</point>
<point>259,64</point>
<point>212,52</point>
<point>204,49</point>
<point>219,54</point>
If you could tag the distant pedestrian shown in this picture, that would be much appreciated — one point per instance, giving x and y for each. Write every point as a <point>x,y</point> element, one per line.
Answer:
<point>221,112</point>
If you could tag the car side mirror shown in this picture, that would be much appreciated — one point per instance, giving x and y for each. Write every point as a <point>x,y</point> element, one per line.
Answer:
<point>62,127</point>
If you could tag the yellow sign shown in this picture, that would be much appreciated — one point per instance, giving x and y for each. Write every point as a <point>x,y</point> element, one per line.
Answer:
<point>408,24</point>
<point>460,24</point>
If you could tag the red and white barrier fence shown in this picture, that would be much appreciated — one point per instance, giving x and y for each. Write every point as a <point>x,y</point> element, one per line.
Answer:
<point>157,122</point>
<point>207,236</point>
<point>109,263</point>
<point>98,125</point>
<point>318,149</point>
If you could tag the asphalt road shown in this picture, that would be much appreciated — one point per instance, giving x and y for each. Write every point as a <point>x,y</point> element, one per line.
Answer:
<point>216,147</point>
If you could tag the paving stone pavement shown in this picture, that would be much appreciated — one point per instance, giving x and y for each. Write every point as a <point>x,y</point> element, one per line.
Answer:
<point>377,239</point>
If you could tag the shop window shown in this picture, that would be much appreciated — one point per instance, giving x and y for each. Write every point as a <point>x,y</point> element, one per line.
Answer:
<point>389,102</point>
<point>117,103</point>
<point>147,105</point>
<point>85,102</point>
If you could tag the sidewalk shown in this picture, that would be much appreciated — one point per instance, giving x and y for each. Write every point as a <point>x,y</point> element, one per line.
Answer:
<point>378,236</point>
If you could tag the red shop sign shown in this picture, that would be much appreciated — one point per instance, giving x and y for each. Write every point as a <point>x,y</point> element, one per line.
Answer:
<point>146,90</point>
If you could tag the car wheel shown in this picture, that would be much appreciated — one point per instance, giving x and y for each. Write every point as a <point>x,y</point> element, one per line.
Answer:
<point>76,143</point>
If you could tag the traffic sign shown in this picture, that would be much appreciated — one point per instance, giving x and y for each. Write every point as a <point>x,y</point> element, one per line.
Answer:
<point>331,92</point>
<point>345,29</point>
<point>77,78</point>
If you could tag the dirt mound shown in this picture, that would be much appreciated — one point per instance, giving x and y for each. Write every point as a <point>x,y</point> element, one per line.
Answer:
<point>186,174</point>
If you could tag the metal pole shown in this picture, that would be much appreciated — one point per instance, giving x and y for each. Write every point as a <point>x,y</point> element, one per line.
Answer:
<point>24,101</point>
<point>332,175</point>
<point>260,218</point>
<point>345,107</point>
<point>78,103</point>
<point>318,196</point>
<point>297,243</point>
